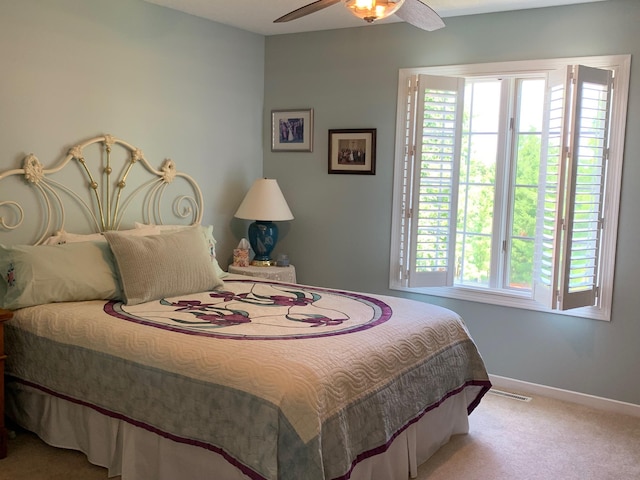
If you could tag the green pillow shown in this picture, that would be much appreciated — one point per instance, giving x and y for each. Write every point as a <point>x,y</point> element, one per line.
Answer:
<point>207,232</point>
<point>34,275</point>
<point>159,266</point>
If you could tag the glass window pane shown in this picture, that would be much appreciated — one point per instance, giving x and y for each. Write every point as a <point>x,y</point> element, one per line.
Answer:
<point>524,209</point>
<point>482,161</point>
<point>473,259</point>
<point>528,159</point>
<point>476,195</point>
<point>531,105</point>
<point>521,270</point>
<point>524,212</point>
<point>485,114</point>
<point>478,209</point>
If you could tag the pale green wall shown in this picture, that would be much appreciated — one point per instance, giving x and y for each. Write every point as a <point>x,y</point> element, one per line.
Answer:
<point>341,233</point>
<point>172,84</point>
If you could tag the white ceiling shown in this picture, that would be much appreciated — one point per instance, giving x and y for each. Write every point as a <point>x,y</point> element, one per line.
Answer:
<point>257,15</point>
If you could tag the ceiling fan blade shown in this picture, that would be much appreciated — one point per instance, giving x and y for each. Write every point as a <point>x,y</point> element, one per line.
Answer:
<point>306,10</point>
<point>420,15</point>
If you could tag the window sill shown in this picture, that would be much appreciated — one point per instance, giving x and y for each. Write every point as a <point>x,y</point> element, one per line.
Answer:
<point>505,299</point>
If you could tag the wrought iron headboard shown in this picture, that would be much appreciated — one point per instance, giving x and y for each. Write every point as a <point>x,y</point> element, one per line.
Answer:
<point>108,195</point>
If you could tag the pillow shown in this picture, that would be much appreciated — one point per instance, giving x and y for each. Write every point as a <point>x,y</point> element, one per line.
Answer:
<point>34,275</point>
<point>207,231</point>
<point>157,266</point>
<point>62,236</point>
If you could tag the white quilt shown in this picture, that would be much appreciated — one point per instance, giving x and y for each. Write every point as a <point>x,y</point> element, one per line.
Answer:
<point>285,381</point>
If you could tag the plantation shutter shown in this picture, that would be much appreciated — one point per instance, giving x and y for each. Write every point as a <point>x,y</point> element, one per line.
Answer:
<point>573,173</point>
<point>409,128</point>
<point>434,159</point>
<point>552,174</point>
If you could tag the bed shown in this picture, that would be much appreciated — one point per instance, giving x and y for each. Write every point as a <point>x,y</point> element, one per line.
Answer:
<point>160,365</point>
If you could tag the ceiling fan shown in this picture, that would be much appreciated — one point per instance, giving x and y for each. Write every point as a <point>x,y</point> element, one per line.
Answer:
<point>415,12</point>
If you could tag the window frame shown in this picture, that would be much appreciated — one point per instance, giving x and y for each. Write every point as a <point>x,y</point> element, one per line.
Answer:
<point>621,64</point>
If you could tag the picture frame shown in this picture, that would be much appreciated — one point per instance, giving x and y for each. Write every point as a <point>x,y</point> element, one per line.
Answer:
<point>352,151</point>
<point>292,130</point>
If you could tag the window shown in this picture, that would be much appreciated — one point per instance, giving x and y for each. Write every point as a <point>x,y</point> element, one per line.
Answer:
<point>507,182</point>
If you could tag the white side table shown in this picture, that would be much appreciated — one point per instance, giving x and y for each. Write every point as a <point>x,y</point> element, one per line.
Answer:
<point>281,274</point>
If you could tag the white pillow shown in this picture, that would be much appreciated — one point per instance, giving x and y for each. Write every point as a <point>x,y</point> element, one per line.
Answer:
<point>159,266</point>
<point>61,237</point>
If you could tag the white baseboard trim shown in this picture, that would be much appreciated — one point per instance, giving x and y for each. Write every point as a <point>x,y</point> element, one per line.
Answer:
<point>601,403</point>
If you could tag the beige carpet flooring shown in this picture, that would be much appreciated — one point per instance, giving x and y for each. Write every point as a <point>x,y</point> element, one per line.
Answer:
<point>543,439</point>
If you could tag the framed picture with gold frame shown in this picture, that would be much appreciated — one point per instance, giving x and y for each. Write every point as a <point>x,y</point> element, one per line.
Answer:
<point>352,151</point>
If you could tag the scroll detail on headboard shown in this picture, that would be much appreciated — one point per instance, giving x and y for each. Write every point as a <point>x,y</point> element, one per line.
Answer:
<point>111,187</point>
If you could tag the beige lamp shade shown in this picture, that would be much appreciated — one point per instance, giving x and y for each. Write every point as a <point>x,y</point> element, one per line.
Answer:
<point>265,202</point>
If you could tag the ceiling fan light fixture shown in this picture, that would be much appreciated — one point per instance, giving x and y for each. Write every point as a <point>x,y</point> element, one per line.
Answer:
<point>371,10</point>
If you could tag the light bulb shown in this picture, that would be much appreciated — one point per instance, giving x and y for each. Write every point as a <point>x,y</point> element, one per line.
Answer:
<point>371,10</point>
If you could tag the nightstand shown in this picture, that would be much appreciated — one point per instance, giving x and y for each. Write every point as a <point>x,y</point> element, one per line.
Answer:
<point>281,274</point>
<point>4,316</point>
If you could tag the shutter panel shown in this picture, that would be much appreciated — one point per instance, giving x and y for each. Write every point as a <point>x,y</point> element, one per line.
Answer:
<point>435,176</point>
<point>574,179</point>
<point>552,179</point>
<point>585,187</point>
<point>409,115</point>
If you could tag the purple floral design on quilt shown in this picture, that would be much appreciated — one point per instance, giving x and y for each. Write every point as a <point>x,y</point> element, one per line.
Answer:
<point>224,316</point>
<point>207,313</point>
<point>276,311</point>
<point>204,312</point>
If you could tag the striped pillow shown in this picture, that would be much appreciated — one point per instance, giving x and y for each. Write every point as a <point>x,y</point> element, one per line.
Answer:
<point>159,266</point>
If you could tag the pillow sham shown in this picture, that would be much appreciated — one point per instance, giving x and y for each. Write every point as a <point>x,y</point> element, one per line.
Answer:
<point>158,266</point>
<point>207,232</point>
<point>35,275</point>
<point>63,236</point>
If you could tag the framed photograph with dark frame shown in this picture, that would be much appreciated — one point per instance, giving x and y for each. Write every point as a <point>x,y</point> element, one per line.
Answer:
<point>292,130</point>
<point>352,151</point>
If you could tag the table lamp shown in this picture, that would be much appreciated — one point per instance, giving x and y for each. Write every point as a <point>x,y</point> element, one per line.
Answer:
<point>265,204</point>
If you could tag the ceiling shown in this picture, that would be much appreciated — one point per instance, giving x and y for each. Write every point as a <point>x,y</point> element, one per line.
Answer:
<point>257,15</point>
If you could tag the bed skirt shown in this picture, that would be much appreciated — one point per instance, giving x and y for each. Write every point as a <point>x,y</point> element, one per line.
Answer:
<point>136,453</point>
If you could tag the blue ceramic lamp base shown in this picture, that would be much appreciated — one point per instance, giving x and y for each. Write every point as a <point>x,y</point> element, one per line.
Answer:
<point>263,236</point>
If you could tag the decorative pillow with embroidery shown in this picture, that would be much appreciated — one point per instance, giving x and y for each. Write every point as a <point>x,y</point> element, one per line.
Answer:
<point>35,275</point>
<point>159,266</point>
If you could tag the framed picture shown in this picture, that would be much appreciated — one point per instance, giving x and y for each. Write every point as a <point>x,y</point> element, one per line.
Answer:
<point>352,151</point>
<point>292,130</point>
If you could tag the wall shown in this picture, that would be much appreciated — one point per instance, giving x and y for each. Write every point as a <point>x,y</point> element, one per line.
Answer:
<point>174,85</point>
<point>341,233</point>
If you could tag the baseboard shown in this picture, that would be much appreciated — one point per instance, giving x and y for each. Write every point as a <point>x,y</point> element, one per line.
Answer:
<point>592,401</point>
